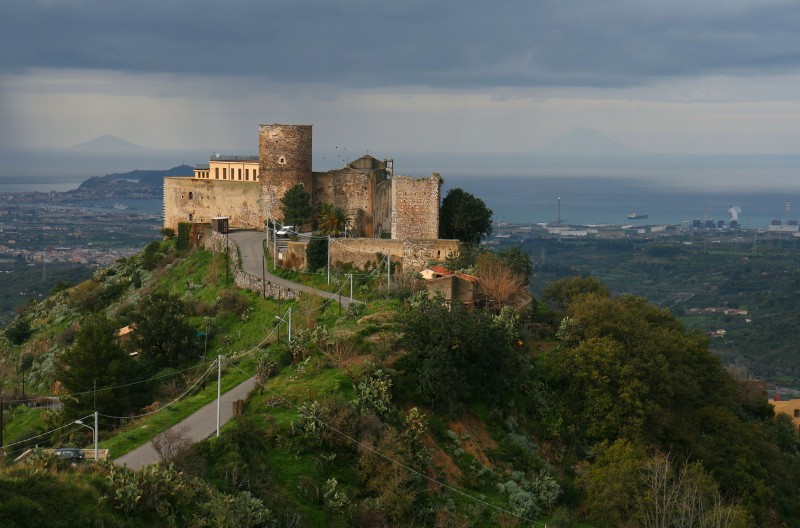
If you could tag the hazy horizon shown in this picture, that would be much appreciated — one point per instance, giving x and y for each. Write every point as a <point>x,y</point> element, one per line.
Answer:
<point>735,171</point>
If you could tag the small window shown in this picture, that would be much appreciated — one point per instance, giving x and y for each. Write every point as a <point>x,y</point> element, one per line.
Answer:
<point>183,196</point>
<point>247,175</point>
<point>282,160</point>
<point>224,173</point>
<point>190,216</point>
<point>191,196</point>
<point>797,413</point>
<point>216,172</point>
<point>240,174</point>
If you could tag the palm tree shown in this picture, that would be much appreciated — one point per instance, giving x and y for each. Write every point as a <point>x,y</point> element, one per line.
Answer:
<point>332,220</point>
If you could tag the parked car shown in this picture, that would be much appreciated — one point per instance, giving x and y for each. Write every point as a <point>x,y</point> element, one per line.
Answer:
<point>73,454</point>
<point>286,231</point>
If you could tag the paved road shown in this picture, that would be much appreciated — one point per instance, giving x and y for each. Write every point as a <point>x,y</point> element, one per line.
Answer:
<point>196,427</point>
<point>251,245</point>
<point>203,423</point>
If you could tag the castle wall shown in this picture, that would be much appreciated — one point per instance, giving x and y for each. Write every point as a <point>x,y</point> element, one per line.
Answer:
<point>410,254</point>
<point>284,153</point>
<point>415,207</point>
<point>382,209</point>
<point>199,200</point>
<point>352,190</point>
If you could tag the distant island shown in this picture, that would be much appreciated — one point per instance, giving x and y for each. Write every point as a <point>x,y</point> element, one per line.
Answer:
<point>108,143</point>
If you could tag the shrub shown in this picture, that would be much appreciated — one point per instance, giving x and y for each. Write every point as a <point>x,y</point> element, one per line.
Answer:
<point>374,393</point>
<point>528,498</point>
<point>18,331</point>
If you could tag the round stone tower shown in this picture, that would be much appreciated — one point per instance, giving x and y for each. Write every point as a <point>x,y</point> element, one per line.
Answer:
<point>284,153</point>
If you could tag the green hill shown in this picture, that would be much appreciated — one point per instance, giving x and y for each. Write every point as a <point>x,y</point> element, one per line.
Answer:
<point>591,411</point>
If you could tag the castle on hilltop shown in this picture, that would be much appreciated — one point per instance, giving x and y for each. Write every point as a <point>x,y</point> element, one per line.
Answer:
<point>399,213</point>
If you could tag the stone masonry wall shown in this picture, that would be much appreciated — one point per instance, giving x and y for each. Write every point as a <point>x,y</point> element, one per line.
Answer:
<point>284,153</point>
<point>217,242</point>
<point>352,190</point>
<point>382,209</point>
<point>410,254</point>
<point>205,199</point>
<point>415,207</point>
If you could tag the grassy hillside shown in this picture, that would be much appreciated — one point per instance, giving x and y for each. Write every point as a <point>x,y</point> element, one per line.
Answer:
<point>398,413</point>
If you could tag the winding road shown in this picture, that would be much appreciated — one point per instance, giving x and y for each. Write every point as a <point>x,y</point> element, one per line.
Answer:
<point>251,244</point>
<point>203,423</point>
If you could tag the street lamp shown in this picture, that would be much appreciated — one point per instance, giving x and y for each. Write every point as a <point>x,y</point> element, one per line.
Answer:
<point>94,432</point>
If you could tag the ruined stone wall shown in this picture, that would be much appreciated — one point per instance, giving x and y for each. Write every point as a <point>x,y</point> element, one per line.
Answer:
<point>382,209</point>
<point>217,242</point>
<point>415,207</point>
<point>352,190</point>
<point>410,254</point>
<point>294,256</point>
<point>199,200</point>
<point>284,161</point>
<point>419,253</point>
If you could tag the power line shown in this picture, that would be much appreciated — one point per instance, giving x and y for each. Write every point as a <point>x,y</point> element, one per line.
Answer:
<point>161,408</point>
<point>113,387</point>
<point>394,461</point>
<point>48,432</point>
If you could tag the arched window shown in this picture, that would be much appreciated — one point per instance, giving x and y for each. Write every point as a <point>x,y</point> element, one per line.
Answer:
<point>191,216</point>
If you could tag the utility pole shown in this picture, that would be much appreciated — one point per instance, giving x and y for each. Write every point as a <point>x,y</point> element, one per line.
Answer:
<point>290,324</point>
<point>329,259</point>
<point>263,274</point>
<point>219,388</point>
<point>205,352</point>
<point>388,272</point>
<point>96,430</point>
<point>351,287</point>
<point>227,258</point>
<point>274,247</point>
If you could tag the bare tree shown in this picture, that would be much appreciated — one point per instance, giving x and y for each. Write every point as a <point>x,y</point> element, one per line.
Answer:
<point>499,283</point>
<point>170,443</point>
<point>339,351</point>
<point>683,497</point>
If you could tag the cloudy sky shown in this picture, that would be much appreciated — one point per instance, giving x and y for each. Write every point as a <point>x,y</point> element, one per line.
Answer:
<point>719,76</point>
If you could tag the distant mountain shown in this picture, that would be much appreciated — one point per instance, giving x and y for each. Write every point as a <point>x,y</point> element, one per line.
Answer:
<point>585,141</point>
<point>108,142</point>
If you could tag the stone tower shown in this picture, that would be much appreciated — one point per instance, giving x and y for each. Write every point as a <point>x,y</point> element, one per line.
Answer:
<point>284,153</point>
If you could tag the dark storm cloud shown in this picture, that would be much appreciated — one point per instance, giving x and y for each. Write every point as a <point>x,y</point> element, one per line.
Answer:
<point>453,43</point>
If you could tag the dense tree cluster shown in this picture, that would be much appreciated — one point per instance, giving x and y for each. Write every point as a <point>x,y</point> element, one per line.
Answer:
<point>455,356</point>
<point>464,217</point>
<point>626,371</point>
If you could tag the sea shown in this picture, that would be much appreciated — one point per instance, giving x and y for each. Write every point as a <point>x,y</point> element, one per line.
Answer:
<point>525,188</point>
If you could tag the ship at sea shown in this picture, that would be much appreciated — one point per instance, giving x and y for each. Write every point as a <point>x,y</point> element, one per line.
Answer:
<point>637,216</point>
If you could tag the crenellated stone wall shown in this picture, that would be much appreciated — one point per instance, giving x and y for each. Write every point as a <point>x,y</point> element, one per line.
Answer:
<point>415,207</point>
